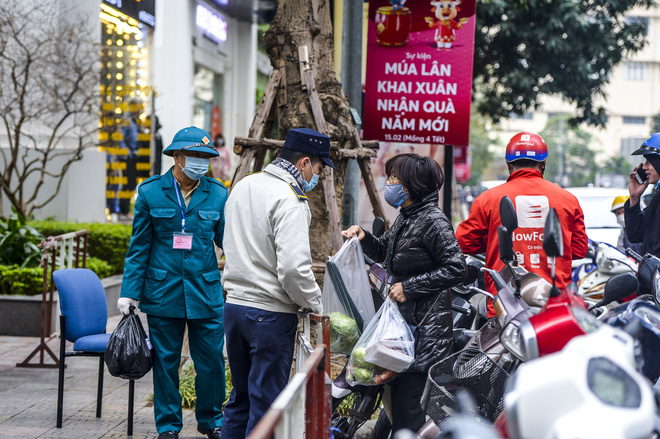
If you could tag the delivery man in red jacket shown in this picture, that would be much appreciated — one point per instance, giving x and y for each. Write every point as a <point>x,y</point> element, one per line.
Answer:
<point>532,197</point>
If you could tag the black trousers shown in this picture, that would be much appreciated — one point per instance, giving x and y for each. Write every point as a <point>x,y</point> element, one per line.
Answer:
<point>407,409</point>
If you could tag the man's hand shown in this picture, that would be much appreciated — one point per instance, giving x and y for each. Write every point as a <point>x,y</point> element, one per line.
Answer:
<point>352,231</point>
<point>124,305</point>
<point>397,294</point>
<point>636,189</point>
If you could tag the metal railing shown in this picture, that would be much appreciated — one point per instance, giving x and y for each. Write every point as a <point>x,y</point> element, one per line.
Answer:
<point>304,346</point>
<point>303,408</point>
<point>68,244</point>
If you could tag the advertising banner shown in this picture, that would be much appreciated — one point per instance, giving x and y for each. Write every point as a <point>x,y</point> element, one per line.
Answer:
<point>419,71</point>
<point>462,163</point>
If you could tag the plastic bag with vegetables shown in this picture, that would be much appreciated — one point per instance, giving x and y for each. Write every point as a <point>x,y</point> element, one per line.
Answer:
<point>346,292</point>
<point>386,348</point>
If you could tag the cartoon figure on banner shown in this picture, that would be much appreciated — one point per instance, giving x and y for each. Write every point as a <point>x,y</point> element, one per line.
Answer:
<point>396,4</point>
<point>444,23</point>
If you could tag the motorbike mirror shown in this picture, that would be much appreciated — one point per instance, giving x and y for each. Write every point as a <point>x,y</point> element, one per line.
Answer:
<point>646,272</point>
<point>553,242</point>
<point>617,288</point>
<point>378,227</point>
<point>508,214</point>
<point>507,254</point>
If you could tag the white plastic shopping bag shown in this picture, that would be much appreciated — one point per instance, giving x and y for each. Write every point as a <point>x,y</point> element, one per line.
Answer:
<point>387,345</point>
<point>347,296</point>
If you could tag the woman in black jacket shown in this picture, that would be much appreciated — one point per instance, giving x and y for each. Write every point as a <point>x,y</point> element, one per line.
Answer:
<point>422,255</point>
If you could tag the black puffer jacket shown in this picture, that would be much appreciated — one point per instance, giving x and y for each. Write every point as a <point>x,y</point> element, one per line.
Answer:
<point>644,225</point>
<point>420,251</point>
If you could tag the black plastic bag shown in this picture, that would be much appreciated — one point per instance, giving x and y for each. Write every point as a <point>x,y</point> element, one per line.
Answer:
<point>128,354</point>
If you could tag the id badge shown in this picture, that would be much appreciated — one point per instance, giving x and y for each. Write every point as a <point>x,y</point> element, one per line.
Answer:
<point>182,241</point>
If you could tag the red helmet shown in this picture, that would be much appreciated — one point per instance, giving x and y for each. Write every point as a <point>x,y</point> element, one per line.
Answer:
<point>528,146</point>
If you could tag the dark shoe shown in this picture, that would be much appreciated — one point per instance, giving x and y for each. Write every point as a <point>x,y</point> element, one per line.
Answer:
<point>169,435</point>
<point>211,433</point>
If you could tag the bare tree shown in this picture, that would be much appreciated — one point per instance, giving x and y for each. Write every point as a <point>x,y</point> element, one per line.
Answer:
<point>49,98</point>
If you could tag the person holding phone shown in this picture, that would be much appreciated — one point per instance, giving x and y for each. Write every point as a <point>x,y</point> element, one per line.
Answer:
<point>644,225</point>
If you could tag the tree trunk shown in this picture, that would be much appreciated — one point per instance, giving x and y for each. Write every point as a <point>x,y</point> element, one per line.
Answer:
<point>307,23</point>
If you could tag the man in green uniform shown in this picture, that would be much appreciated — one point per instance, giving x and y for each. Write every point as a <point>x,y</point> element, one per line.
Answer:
<point>172,270</point>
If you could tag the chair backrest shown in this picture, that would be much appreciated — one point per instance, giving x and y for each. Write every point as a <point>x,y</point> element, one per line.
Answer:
<point>82,302</point>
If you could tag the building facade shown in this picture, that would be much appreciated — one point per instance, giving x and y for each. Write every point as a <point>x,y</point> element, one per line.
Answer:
<point>182,63</point>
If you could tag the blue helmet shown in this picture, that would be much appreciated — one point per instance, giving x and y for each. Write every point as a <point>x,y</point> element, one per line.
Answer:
<point>191,139</point>
<point>651,146</point>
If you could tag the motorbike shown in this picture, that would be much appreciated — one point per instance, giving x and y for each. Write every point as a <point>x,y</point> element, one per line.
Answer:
<point>607,262</point>
<point>525,329</point>
<point>567,316</point>
<point>645,310</point>
<point>590,389</point>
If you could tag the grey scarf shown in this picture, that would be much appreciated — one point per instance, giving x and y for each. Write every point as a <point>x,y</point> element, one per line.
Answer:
<point>288,167</point>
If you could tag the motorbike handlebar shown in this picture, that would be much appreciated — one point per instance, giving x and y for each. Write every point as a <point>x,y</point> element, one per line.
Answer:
<point>633,254</point>
<point>480,291</point>
<point>497,279</point>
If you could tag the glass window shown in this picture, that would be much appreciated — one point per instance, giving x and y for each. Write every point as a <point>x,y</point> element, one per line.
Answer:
<point>527,115</point>
<point>208,92</point>
<point>636,71</point>
<point>125,130</point>
<point>634,120</point>
<point>630,144</point>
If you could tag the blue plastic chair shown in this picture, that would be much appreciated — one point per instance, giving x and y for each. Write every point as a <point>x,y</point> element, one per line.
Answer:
<point>83,322</point>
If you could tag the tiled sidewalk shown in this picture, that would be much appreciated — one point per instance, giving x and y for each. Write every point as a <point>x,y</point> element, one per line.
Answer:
<point>28,398</point>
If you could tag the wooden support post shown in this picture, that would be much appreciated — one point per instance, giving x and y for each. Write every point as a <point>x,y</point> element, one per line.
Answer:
<point>259,158</point>
<point>263,115</point>
<point>303,62</point>
<point>243,166</point>
<point>314,99</point>
<point>333,210</point>
<point>328,174</point>
<point>265,106</point>
<point>244,142</point>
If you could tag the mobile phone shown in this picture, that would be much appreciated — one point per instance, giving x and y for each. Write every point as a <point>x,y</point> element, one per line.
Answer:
<point>640,175</point>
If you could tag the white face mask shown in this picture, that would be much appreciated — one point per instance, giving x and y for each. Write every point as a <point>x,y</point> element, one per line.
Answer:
<point>621,220</point>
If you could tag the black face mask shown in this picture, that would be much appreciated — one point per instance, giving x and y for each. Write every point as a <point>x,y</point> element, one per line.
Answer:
<point>654,160</point>
<point>219,143</point>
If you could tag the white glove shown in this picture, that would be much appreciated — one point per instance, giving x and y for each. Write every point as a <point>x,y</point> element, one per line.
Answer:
<point>124,305</point>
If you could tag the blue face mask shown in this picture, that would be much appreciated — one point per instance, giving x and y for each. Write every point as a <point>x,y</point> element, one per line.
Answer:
<point>196,167</point>
<point>309,185</point>
<point>395,195</point>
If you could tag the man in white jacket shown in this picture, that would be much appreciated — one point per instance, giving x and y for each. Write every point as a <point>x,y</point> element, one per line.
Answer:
<point>268,275</point>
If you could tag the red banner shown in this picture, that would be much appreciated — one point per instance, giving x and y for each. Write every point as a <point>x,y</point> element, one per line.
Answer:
<point>419,71</point>
<point>462,163</point>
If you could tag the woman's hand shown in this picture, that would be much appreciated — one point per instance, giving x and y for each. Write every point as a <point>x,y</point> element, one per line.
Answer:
<point>352,231</point>
<point>397,294</point>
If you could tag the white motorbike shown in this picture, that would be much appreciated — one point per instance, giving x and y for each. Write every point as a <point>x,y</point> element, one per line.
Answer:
<point>609,261</point>
<point>590,389</point>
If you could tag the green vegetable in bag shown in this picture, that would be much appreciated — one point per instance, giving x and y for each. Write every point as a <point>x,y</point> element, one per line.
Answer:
<point>343,332</point>
<point>363,374</point>
<point>358,358</point>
